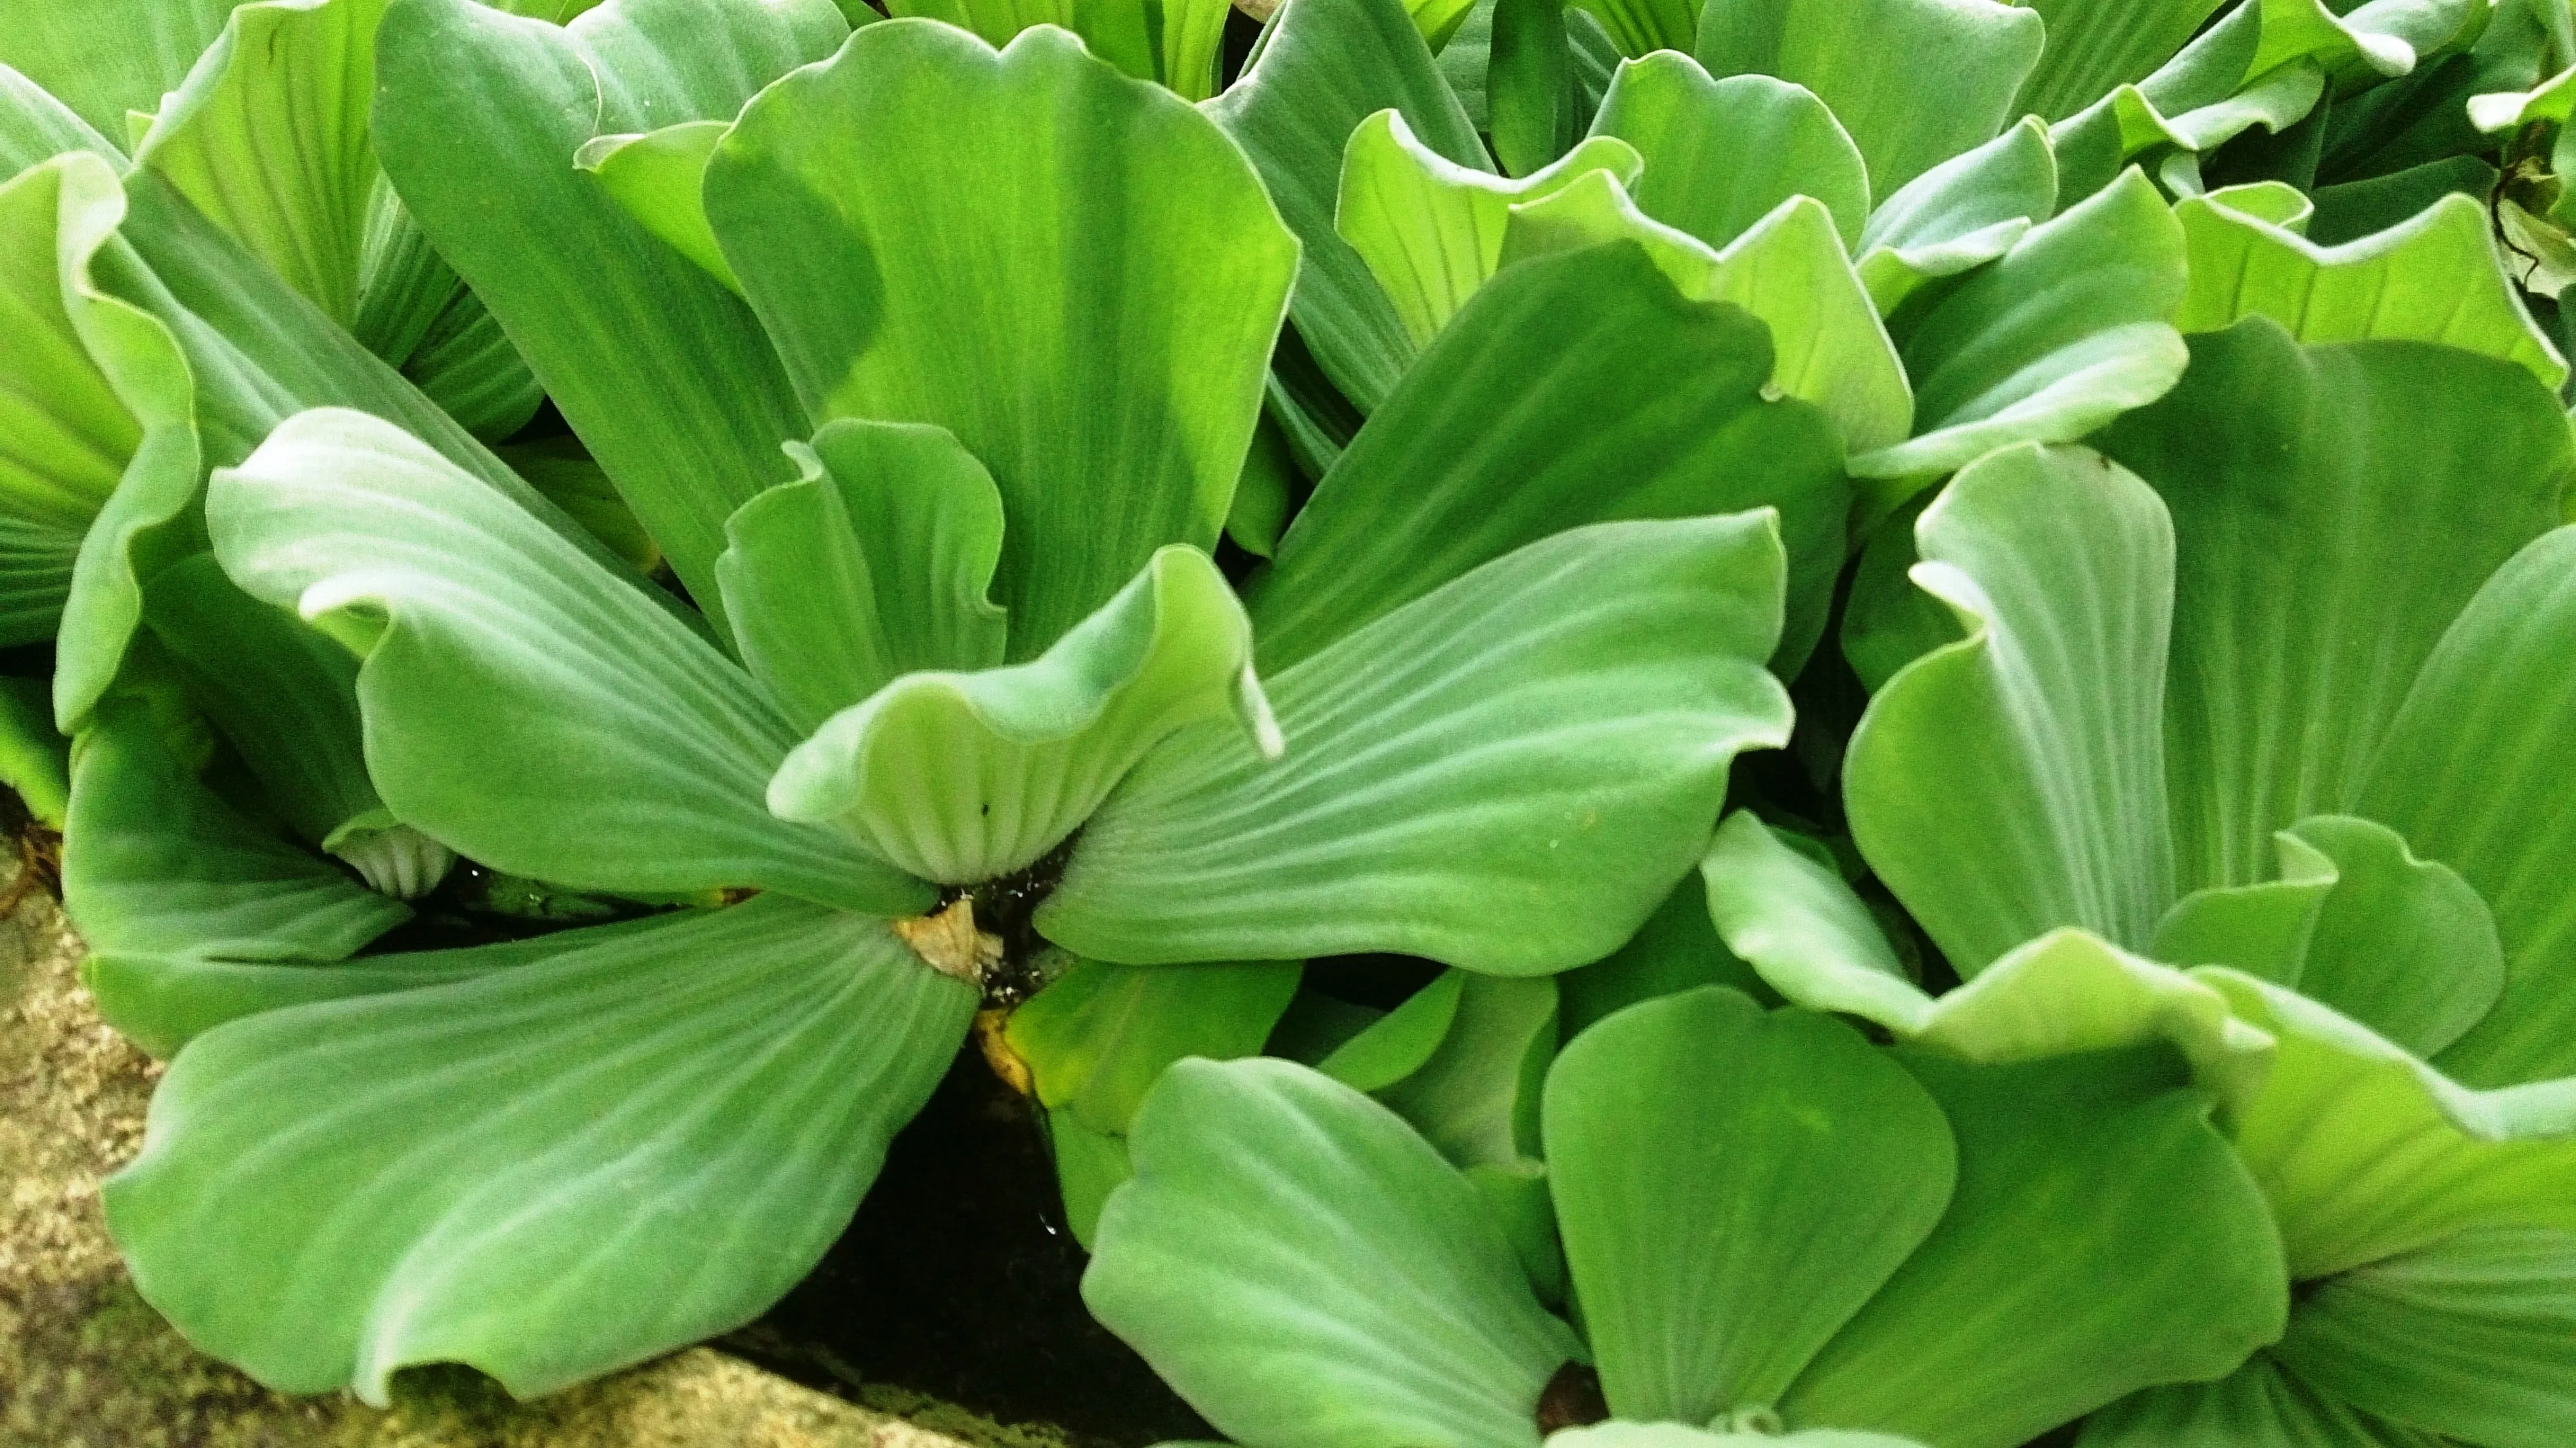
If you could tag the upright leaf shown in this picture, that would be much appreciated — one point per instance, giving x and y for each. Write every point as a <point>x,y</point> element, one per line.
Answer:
<point>1915,82</point>
<point>2331,519</point>
<point>1127,272</point>
<point>664,374</point>
<point>1721,154</point>
<point>1325,66</point>
<point>1523,420</point>
<point>2014,781</point>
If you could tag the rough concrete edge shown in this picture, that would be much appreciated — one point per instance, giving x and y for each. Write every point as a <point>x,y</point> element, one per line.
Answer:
<point>84,1363</point>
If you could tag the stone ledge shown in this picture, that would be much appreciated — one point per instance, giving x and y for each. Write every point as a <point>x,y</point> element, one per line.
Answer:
<point>84,1363</point>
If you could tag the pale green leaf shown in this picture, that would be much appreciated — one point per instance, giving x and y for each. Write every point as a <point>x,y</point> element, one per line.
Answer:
<point>2102,1238</point>
<point>544,1172</point>
<point>1396,1044</point>
<point>1677,948</point>
<point>1721,154</point>
<point>1679,1435</point>
<point>1506,774</point>
<point>65,438</point>
<point>1914,82</point>
<point>163,1001</point>
<point>1960,214</point>
<point>873,565</point>
<point>2434,278</point>
<point>1309,1273</point>
<point>1475,1096</point>
<point>522,704</point>
<point>2094,46</point>
<point>2470,1337</point>
<point>1130,279</point>
<point>1431,230</point>
<point>2402,945</point>
<point>268,136</point>
<point>35,761</point>
<point>2062,333</point>
<point>1803,929</point>
<point>1732,1187</point>
<point>1324,67</point>
<point>1789,270</point>
<point>659,178</point>
<point>154,862</point>
<point>662,371</point>
<point>1096,1038</point>
<point>1524,419</point>
<point>2262,929</point>
<point>964,777</point>
<point>2366,1152</point>
<point>107,58</point>
<point>2257,1406</point>
<point>2329,524</point>
<point>2014,781</point>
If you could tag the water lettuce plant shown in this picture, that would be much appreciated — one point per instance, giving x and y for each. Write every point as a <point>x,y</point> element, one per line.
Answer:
<point>625,579</point>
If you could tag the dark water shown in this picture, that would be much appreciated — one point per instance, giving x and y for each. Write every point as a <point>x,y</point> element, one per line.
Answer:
<point>958,1279</point>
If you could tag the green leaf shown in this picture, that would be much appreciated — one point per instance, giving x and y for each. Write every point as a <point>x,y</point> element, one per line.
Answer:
<point>268,136</point>
<point>154,862</point>
<point>1960,214</point>
<point>2102,1238</point>
<point>2014,781</point>
<point>1528,83</point>
<point>1396,1044</point>
<point>1789,271</point>
<point>1431,230</point>
<point>522,704</point>
<point>965,777</point>
<point>873,565</point>
<point>2468,1337</point>
<point>664,373</point>
<point>1130,276</point>
<point>1309,1273</point>
<point>1805,932</point>
<point>1476,1095</point>
<point>35,761</point>
<point>1887,621</point>
<point>1506,774</point>
<point>1089,1165</point>
<point>468,366</point>
<point>2402,945</point>
<point>2467,773</point>
<point>659,177</point>
<point>2433,278</point>
<point>2093,47</point>
<point>1698,135</point>
<point>65,438</point>
<point>1678,1435</point>
<point>113,57</point>
<point>2262,929</point>
<point>1677,948</point>
<point>2329,525</point>
<point>663,1130</point>
<point>1914,82</point>
<point>1523,419</point>
<point>1732,1186</point>
<point>163,1001</point>
<point>2366,1152</point>
<point>1325,66</point>
<point>283,695</point>
<point>2257,1406</point>
<point>2059,335</point>
<point>1099,1035</point>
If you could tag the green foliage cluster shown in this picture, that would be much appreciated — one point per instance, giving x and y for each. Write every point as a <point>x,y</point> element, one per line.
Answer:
<point>1830,720</point>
